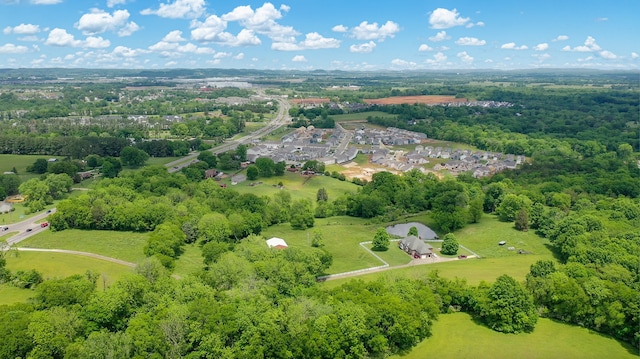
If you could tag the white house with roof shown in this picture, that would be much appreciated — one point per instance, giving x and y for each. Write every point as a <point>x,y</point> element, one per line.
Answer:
<point>277,243</point>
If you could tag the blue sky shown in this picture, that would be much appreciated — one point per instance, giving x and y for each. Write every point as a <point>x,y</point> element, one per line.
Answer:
<point>328,34</point>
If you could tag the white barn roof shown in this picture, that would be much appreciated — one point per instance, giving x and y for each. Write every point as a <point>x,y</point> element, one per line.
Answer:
<point>276,242</point>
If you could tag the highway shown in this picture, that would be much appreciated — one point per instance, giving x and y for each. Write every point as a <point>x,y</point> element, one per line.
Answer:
<point>21,228</point>
<point>281,119</point>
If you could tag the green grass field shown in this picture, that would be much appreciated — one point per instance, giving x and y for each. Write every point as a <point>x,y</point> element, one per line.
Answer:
<point>360,116</point>
<point>127,246</point>
<point>161,161</point>
<point>10,295</point>
<point>341,235</point>
<point>190,261</point>
<point>550,339</point>
<point>21,162</point>
<point>61,265</point>
<point>296,185</point>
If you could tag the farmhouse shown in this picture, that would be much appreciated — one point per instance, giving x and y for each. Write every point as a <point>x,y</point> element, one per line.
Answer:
<point>415,247</point>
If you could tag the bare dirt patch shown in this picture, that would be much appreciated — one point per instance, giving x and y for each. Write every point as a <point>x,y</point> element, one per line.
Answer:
<point>425,99</point>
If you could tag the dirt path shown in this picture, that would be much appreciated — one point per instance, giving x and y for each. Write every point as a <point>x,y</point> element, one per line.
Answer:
<point>414,262</point>
<point>85,254</point>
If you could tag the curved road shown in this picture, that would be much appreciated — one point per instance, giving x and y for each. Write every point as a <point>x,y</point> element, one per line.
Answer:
<point>282,118</point>
<point>21,227</point>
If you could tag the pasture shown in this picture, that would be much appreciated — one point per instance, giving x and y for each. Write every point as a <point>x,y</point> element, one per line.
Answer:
<point>21,162</point>
<point>10,295</point>
<point>298,185</point>
<point>126,246</point>
<point>459,336</point>
<point>61,265</point>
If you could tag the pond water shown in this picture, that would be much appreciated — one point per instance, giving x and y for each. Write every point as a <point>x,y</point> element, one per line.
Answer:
<point>402,229</point>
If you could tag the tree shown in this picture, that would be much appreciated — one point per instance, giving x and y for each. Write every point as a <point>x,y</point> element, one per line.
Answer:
<point>413,231</point>
<point>209,158</point>
<point>322,195</point>
<point>212,251</point>
<point>301,214</point>
<point>317,240</point>
<point>265,166</point>
<point>475,209</point>
<point>510,205</point>
<point>522,220</point>
<point>450,244</point>
<point>508,307</point>
<point>111,167</point>
<point>131,156</point>
<point>381,240</point>
<point>40,166</point>
<point>252,173</point>
<point>213,227</point>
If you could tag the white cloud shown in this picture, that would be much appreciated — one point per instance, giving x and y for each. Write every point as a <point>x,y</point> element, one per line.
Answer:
<point>608,55</point>
<point>440,36</point>
<point>312,41</point>
<point>222,55</point>
<point>173,36</point>
<point>513,46</point>
<point>209,30</point>
<point>29,38</point>
<point>438,58</point>
<point>634,55</point>
<point>96,42</point>
<point>443,19</point>
<point>425,47</point>
<point>98,21</point>
<point>60,37</point>
<point>13,49</point>
<point>22,29</point>
<point>340,28</point>
<point>541,57</point>
<point>589,46</point>
<point>239,56</point>
<point>561,38</point>
<point>112,3</point>
<point>171,63</point>
<point>262,21</point>
<point>470,41</point>
<point>464,57</point>
<point>602,19</point>
<point>123,51</point>
<point>541,47</point>
<point>46,2</point>
<point>179,9</point>
<point>403,63</point>
<point>363,48</point>
<point>367,31</point>
<point>299,58</point>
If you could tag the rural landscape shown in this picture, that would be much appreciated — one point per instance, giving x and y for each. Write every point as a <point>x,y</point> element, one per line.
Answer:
<point>327,179</point>
<point>321,215</point>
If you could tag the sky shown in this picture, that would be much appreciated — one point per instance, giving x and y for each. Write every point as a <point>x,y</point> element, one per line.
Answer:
<point>350,35</point>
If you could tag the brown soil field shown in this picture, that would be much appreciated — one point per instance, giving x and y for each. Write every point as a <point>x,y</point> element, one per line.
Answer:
<point>426,99</point>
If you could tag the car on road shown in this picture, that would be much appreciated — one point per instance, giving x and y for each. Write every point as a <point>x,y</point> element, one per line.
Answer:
<point>44,224</point>
<point>48,211</point>
<point>29,229</point>
<point>462,256</point>
<point>5,228</point>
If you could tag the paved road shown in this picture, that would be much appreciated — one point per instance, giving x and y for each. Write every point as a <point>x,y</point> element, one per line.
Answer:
<point>281,119</point>
<point>21,228</point>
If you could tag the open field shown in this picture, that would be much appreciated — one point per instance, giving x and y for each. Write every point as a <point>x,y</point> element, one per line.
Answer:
<point>190,261</point>
<point>21,162</point>
<point>10,295</point>
<point>126,246</point>
<point>341,235</point>
<point>360,116</point>
<point>61,265</point>
<point>550,339</point>
<point>296,184</point>
<point>424,99</point>
<point>160,161</point>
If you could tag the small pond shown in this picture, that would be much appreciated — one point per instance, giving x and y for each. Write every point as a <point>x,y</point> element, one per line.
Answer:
<point>402,229</point>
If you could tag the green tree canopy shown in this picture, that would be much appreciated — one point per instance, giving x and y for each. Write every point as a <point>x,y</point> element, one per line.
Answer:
<point>381,240</point>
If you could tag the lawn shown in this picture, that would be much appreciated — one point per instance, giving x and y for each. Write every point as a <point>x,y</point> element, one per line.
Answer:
<point>550,339</point>
<point>10,295</point>
<point>297,185</point>
<point>483,238</point>
<point>127,246</point>
<point>61,265</point>
<point>341,236</point>
<point>190,261</point>
<point>360,116</point>
<point>21,162</point>
<point>160,161</point>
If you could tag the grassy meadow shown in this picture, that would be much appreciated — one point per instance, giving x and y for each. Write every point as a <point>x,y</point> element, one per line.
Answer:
<point>550,339</point>
<point>21,162</point>
<point>296,184</point>
<point>126,246</point>
<point>10,295</point>
<point>62,265</point>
